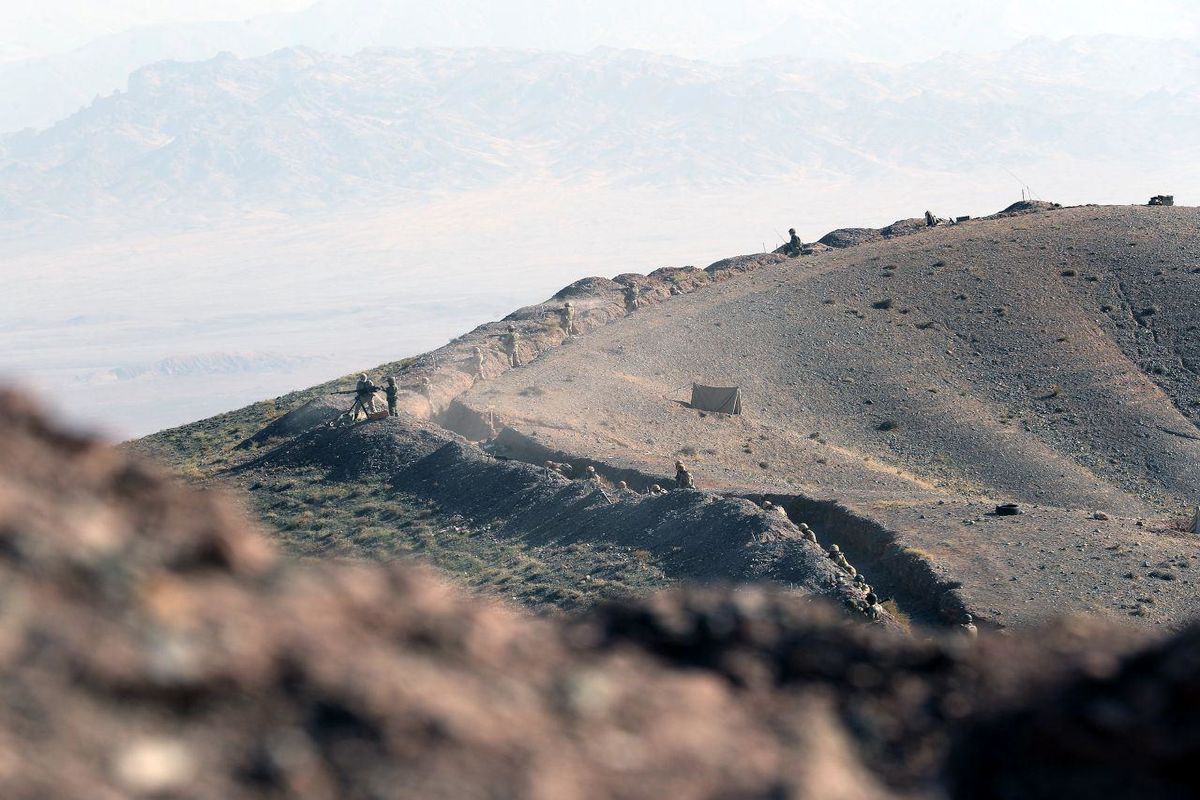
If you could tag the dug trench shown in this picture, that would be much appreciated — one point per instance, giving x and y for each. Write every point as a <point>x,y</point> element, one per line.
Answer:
<point>895,572</point>
<point>692,535</point>
<point>696,536</point>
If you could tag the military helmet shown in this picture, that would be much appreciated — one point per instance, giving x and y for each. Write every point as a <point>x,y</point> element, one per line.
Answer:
<point>872,599</point>
<point>833,548</point>
<point>656,488</point>
<point>362,376</point>
<point>591,468</point>
<point>791,230</point>
<point>622,485</point>
<point>967,618</point>
<point>568,304</point>
<point>391,381</point>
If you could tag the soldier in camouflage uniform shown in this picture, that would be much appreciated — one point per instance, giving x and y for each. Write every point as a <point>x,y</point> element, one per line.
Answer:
<point>874,610</point>
<point>392,393</point>
<point>364,397</point>
<point>794,244</point>
<point>683,478</point>
<point>967,626</point>
<point>568,318</point>
<point>632,297</point>
<point>477,361</point>
<point>512,346</point>
<point>839,557</point>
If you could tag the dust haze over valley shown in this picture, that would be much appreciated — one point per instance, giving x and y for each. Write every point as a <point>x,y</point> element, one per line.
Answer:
<point>229,228</point>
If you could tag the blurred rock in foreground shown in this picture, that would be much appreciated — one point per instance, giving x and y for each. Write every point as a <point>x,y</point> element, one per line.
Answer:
<point>152,644</point>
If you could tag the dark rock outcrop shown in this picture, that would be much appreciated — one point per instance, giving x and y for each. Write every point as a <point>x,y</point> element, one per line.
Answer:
<point>308,416</point>
<point>849,237</point>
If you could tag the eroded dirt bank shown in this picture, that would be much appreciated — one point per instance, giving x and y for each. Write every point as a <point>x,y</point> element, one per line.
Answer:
<point>692,535</point>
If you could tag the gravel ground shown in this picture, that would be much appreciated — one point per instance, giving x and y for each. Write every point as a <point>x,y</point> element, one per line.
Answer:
<point>1047,359</point>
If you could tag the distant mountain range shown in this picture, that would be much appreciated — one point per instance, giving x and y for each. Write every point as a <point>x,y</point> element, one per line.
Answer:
<point>47,84</point>
<point>198,365</point>
<point>298,129</point>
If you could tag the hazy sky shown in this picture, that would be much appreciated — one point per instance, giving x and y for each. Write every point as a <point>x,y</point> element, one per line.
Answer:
<point>108,304</point>
<point>53,26</point>
<point>686,27</point>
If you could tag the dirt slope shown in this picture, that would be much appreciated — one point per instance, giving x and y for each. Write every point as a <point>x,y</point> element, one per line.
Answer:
<point>153,645</point>
<point>692,535</point>
<point>1046,358</point>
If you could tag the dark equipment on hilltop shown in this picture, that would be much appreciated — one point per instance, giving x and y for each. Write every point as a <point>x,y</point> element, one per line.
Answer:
<point>720,399</point>
<point>364,400</point>
<point>1162,200</point>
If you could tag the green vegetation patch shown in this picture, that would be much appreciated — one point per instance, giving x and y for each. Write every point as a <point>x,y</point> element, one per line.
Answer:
<point>316,518</point>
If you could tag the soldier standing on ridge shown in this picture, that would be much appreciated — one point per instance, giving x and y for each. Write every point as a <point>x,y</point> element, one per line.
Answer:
<point>568,318</point>
<point>477,362</point>
<point>364,397</point>
<point>512,344</point>
<point>391,391</point>
<point>683,478</point>
<point>632,297</point>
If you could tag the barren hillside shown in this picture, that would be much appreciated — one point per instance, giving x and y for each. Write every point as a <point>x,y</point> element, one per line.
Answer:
<point>896,391</point>
<point>1047,359</point>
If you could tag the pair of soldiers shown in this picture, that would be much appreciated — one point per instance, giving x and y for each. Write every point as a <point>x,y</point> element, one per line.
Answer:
<point>364,397</point>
